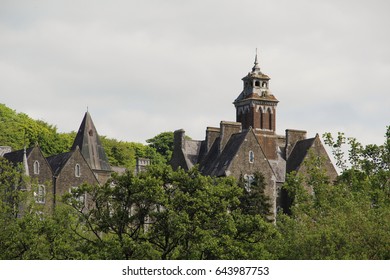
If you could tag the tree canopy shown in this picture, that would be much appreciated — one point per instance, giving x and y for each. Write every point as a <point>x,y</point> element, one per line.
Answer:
<point>173,214</point>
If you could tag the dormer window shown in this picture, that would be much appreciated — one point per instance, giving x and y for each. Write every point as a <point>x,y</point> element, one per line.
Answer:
<point>36,167</point>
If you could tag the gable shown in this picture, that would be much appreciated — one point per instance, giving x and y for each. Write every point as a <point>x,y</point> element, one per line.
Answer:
<point>37,164</point>
<point>302,151</point>
<point>243,163</point>
<point>71,170</point>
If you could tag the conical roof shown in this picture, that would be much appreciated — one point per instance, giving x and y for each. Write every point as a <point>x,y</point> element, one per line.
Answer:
<point>87,139</point>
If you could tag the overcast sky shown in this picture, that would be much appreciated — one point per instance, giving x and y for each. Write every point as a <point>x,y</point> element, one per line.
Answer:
<point>143,67</point>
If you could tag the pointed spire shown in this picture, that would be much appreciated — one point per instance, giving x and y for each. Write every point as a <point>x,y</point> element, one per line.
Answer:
<point>256,67</point>
<point>88,141</point>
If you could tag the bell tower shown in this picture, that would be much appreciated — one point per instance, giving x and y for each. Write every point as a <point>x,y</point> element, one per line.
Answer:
<point>256,106</point>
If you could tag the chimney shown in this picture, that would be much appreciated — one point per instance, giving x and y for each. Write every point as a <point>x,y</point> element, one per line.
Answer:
<point>292,137</point>
<point>227,130</point>
<point>178,138</point>
<point>212,133</point>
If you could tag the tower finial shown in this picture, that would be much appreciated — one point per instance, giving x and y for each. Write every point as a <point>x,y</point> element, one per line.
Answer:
<point>256,67</point>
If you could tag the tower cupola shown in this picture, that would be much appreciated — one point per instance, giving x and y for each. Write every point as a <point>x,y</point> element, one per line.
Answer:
<point>256,105</point>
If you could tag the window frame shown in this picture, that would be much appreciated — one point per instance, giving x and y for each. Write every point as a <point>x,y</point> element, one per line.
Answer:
<point>36,167</point>
<point>77,170</point>
<point>251,156</point>
<point>40,195</point>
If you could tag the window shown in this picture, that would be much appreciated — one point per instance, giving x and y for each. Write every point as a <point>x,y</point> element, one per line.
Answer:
<point>40,194</point>
<point>264,84</point>
<point>257,83</point>
<point>81,198</point>
<point>36,167</point>
<point>261,119</point>
<point>77,170</point>
<point>251,156</point>
<point>269,119</point>
<point>248,181</point>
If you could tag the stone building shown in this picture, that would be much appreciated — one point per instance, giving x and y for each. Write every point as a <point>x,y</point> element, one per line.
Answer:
<point>37,168</point>
<point>88,141</point>
<point>70,170</point>
<point>56,175</point>
<point>251,144</point>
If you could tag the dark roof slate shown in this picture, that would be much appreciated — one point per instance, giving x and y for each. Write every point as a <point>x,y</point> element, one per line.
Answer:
<point>57,162</point>
<point>87,139</point>
<point>17,156</point>
<point>298,154</point>
<point>207,163</point>
<point>229,152</point>
<point>215,163</point>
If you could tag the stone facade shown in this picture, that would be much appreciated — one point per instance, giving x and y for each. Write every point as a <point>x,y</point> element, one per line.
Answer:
<point>38,169</point>
<point>88,141</point>
<point>251,144</point>
<point>70,170</point>
<point>56,175</point>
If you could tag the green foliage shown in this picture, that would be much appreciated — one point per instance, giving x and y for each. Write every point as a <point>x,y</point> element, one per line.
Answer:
<point>166,214</point>
<point>346,220</point>
<point>18,130</point>
<point>253,199</point>
<point>163,144</point>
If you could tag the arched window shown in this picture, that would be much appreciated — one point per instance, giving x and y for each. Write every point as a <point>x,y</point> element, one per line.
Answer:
<point>257,83</point>
<point>269,118</point>
<point>261,119</point>
<point>40,194</point>
<point>36,167</point>
<point>251,156</point>
<point>77,170</point>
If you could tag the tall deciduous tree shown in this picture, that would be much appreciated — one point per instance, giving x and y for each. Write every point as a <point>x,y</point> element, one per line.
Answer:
<point>345,220</point>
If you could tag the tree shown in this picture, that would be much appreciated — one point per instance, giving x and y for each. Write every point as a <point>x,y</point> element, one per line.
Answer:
<point>253,199</point>
<point>163,144</point>
<point>345,220</point>
<point>167,214</point>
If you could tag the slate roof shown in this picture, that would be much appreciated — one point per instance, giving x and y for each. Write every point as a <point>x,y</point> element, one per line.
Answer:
<point>298,154</point>
<point>88,140</point>
<point>229,152</point>
<point>17,156</point>
<point>255,96</point>
<point>57,162</point>
<point>278,165</point>
<point>207,164</point>
<point>191,152</point>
